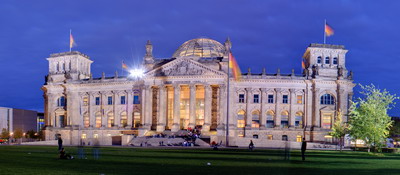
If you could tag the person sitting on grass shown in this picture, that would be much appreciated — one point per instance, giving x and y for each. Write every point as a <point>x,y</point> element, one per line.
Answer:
<point>64,155</point>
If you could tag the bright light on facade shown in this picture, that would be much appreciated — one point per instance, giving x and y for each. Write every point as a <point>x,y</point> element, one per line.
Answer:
<point>136,73</point>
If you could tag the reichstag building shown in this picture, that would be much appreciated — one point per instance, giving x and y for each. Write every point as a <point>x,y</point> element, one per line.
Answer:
<point>189,90</point>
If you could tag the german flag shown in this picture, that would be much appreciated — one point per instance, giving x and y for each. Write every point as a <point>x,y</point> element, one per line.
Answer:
<point>124,66</point>
<point>328,30</point>
<point>234,67</point>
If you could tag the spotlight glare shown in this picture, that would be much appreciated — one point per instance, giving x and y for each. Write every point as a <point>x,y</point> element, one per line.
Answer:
<point>137,73</point>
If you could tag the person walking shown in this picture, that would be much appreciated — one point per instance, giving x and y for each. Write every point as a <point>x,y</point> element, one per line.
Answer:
<point>303,149</point>
<point>251,145</point>
<point>60,142</point>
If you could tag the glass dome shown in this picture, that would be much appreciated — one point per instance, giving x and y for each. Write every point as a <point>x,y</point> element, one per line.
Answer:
<point>200,47</point>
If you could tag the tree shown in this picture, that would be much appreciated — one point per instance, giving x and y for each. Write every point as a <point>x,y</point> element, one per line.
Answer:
<point>369,120</point>
<point>5,134</point>
<point>395,130</point>
<point>339,129</point>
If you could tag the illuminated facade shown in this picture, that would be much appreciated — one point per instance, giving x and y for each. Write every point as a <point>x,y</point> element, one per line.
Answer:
<point>190,90</point>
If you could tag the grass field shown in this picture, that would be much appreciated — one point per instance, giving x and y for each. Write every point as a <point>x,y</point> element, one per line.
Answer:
<point>114,160</point>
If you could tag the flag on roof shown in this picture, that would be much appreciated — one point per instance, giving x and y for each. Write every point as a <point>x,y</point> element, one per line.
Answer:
<point>234,67</point>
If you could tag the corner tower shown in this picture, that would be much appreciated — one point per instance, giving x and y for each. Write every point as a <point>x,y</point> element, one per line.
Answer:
<point>326,61</point>
<point>68,66</point>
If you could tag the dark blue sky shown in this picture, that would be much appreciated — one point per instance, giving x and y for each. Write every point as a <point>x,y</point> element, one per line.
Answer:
<point>271,34</point>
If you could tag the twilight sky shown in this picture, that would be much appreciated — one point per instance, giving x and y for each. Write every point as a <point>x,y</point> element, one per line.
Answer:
<point>271,34</point>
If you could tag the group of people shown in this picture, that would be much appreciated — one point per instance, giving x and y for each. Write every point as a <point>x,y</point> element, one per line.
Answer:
<point>64,155</point>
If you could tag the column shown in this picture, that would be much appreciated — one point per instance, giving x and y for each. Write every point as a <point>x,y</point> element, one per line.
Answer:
<point>248,112</point>
<point>91,103</point>
<point>316,119</point>
<point>177,106</point>
<point>263,119</point>
<point>292,113</point>
<point>222,107</point>
<point>129,107</point>
<point>308,104</point>
<point>278,101</point>
<point>103,103</point>
<point>162,107</point>
<point>116,111</point>
<point>143,106</point>
<point>192,106</point>
<point>50,107</point>
<point>207,108</point>
<point>148,107</point>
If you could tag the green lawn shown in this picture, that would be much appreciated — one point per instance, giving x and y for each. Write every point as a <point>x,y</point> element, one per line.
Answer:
<point>44,160</point>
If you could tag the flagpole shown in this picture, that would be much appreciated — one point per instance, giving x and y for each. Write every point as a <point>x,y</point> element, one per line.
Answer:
<point>70,33</point>
<point>325,32</point>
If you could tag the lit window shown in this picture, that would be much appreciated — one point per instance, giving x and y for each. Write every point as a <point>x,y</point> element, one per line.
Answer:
<point>299,99</point>
<point>299,139</point>
<point>255,122</point>
<point>86,121</point>
<point>335,60</point>
<point>285,99</point>
<point>284,119</point>
<point>110,100</point>
<point>97,100</point>
<point>124,119</point>
<point>270,98</point>
<point>85,101</point>
<point>241,98</point>
<point>256,98</point>
<point>270,137</point>
<point>110,121</point>
<point>98,120</point>
<point>326,60</point>
<point>326,121</point>
<point>95,136</point>
<point>83,136</point>
<point>122,100</point>
<point>136,99</point>
<point>240,119</point>
<point>298,119</point>
<point>270,119</point>
<point>327,99</point>
<point>319,60</point>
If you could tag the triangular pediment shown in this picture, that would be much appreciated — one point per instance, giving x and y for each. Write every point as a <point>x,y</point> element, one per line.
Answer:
<point>184,67</point>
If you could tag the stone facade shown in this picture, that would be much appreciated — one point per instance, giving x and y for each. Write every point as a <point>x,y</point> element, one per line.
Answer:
<point>191,90</point>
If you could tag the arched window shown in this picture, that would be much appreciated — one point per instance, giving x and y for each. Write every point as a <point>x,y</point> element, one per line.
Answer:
<point>326,60</point>
<point>136,119</point>
<point>70,66</point>
<point>319,60</point>
<point>57,67</point>
<point>255,122</point>
<point>110,121</point>
<point>240,119</point>
<point>98,120</point>
<point>270,119</point>
<point>327,99</point>
<point>124,119</point>
<point>61,101</point>
<point>86,121</point>
<point>284,119</point>
<point>298,119</point>
<point>335,60</point>
<point>63,68</point>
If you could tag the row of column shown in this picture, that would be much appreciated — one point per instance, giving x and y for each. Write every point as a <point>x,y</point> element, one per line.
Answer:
<point>162,106</point>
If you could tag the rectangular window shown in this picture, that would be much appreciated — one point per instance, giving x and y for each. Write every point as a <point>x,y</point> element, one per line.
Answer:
<point>83,136</point>
<point>299,99</point>
<point>97,100</point>
<point>241,98</point>
<point>240,123</point>
<point>256,98</point>
<point>326,121</point>
<point>284,138</point>
<point>285,99</point>
<point>110,100</point>
<point>270,137</point>
<point>122,100</point>
<point>270,98</point>
<point>136,99</point>
<point>85,101</point>
<point>299,138</point>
